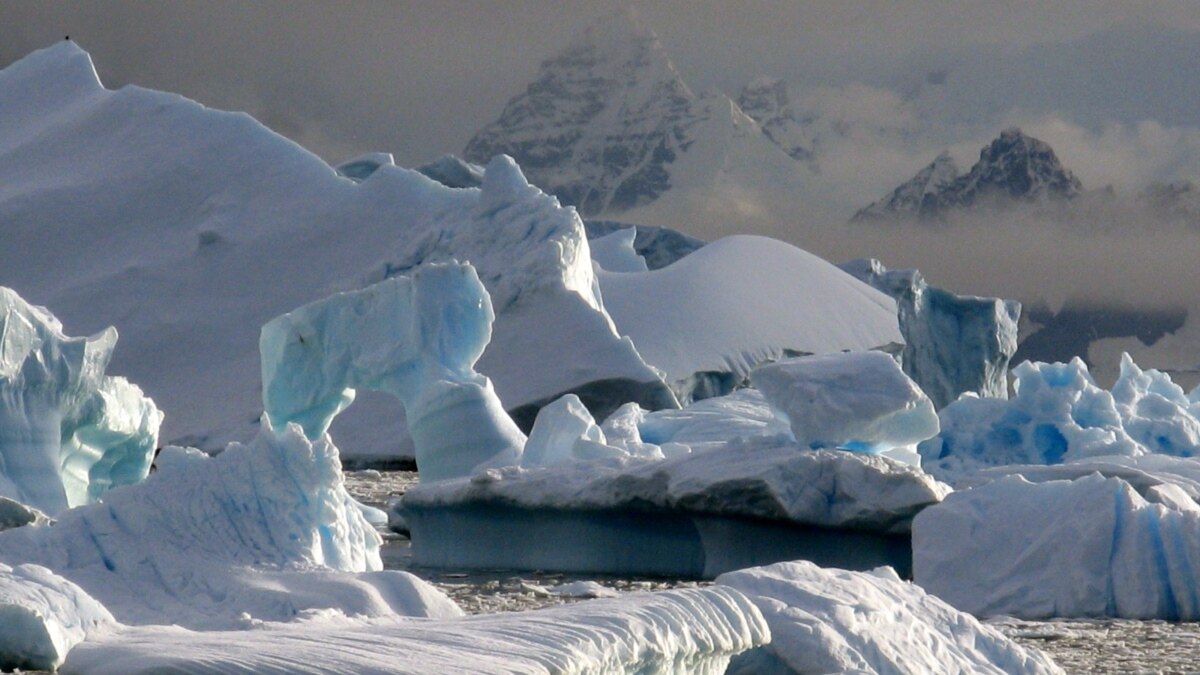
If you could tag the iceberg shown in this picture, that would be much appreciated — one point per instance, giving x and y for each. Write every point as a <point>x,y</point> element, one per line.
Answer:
<point>838,621</point>
<point>263,531</point>
<point>1058,414</point>
<point>1092,546</point>
<point>860,402</point>
<point>658,246</point>
<point>246,225</point>
<point>953,344</point>
<point>42,617</point>
<point>614,252</point>
<point>745,502</point>
<point>415,337</point>
<point>711,317</point>
<point>688,631</point>
<point>68,432</point>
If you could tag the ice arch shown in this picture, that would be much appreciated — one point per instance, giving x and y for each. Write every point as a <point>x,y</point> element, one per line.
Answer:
<point>415,337</point>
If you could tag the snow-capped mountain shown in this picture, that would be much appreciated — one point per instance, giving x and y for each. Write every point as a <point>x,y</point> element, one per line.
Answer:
<point>766,100</point>
<point>1013,168</point>
<point>609,125</point>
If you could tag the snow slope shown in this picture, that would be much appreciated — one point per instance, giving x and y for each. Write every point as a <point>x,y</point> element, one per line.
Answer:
<point>188,228</point>
<point>743,300</point>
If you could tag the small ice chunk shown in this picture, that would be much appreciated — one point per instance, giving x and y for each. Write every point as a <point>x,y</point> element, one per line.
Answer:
<point>583,589</point>
<point>614,252</point>
<point>42,616</point>
<point>565,432</point>
<point>858,401</point>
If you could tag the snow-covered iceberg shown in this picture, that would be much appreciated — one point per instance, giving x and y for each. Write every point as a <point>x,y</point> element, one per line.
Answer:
<point>836,621</point>
<point>213,224</point>
<point>68,432</point>
<point>1090,547</point>
<point>708,319</point>
<point>681,632</point>
<point>43,616</point>
<point>415,337</point>
<point>952,343</point>
<point>264,531</point>
<point>860,401</point>
<point>1058,414</point>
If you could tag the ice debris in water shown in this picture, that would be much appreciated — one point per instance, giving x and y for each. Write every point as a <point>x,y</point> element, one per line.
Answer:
<point>862,402</point>
<point>68,432</point>
<point>415,337</point>
<point>1058,414</point>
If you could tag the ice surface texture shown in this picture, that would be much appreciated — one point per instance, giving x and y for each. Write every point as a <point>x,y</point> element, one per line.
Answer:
<point>952,343</point>
<point>244,225</point>
<point>265,530</point>
<point>68,432</point>
<point>836,621</point>
<point>417,338</point>
<point>1088,547</point>
<point>858,401</point>
<point>1058,414</point>
<point>42,616</point>
<point>680,632</point>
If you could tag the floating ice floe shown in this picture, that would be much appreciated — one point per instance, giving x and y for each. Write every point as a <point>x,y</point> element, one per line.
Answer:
<point>68,432</point>
<point>837,621</point>
<point>952,343</point>
<point>1091,546</point>
<point>1058,414</point>
<point>415,337</point>
<point>263,531</point>
<point>692,631</point>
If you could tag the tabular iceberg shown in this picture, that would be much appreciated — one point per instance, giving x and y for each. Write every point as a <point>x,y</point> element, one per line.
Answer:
<point>952,343</point>
<point>417,338</point>
<point>836,621</point>
<point>68,432</point>
<point>861,402</point>
<point>1088,547</point>
<point>1058,414</point>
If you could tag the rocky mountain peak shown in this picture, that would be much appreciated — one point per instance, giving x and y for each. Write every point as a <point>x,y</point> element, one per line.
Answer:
<point>766,100</point>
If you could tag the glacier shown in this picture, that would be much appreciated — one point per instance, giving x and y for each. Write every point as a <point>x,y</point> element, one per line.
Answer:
<point>415,337</point>
<point>838,621</point>
<point>860,401</point>
<point>953,344</point>
<point>1058,414</point>
<point>68,432</point>
<point>1087,545</point>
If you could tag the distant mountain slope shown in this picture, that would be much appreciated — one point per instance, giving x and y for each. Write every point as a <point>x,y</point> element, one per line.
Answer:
<point>1013,168</point>
<point>609,125</point>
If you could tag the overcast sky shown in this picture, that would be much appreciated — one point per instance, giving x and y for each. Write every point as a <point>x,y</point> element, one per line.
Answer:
<point>1113,86</point>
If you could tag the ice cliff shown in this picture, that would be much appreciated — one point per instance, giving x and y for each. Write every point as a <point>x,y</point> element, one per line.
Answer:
<point>68,432</point>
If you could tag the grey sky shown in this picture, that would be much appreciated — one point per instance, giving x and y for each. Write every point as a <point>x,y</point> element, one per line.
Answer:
<point>418,78</point>
<point>1111,85</point>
